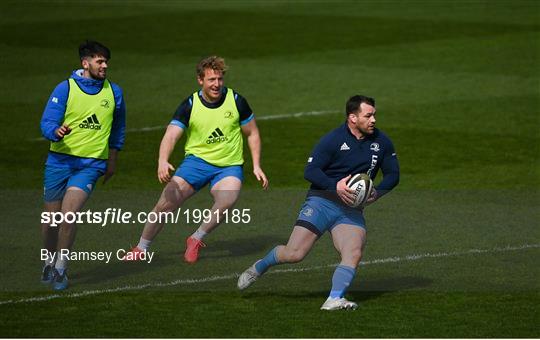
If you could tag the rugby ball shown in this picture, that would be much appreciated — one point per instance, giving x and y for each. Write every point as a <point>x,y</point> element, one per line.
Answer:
<point>363,186</point>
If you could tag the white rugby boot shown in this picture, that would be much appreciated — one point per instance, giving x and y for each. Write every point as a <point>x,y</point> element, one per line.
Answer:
<point>338,303</point>
<point>247,278</point>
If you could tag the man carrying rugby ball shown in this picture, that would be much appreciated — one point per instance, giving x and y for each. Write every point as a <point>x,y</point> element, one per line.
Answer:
<point>354,147</point>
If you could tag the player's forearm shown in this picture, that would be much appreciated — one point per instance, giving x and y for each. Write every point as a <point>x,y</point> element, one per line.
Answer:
<point>113,155</point>
<point>118,130</point>
<point>254,144</point>
<point>390,170</point>
<point>166,148</point>
<point>53,114</point>
<point>50,121</point>
<point>48,130</point>
<point>317,177</point>
<point>168,142</point>
<point>389,182</point>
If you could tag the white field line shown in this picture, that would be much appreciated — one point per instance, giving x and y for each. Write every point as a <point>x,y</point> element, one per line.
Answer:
<point>258,118</point>
<point>395,259</point>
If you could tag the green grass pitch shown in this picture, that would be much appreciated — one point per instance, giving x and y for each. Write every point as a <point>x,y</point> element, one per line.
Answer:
<point>452,252</point>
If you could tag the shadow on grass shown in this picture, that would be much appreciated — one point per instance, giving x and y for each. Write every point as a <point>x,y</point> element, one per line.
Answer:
<point>242,246</point>
<point>391,284</point>
<point>219,249</point>
<point>363,291</point>
<point>117,269</point>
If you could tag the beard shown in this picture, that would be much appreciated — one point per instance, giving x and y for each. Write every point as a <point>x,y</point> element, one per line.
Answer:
<point>95,74</point>
<point>367,132</point>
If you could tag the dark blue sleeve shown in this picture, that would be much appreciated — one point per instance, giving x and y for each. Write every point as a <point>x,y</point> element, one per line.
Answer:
<point>245,111</point>
<point>390,170</point>
<point>183,113</point>
<point>118,130</point>
<point>54,112</point>
<point>320,158</point>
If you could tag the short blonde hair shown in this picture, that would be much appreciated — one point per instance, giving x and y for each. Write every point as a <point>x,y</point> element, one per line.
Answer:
<point>213,62</point>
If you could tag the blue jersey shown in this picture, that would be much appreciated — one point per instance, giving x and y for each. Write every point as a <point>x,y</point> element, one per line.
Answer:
<point>339,154</point>
<point>53,116</point>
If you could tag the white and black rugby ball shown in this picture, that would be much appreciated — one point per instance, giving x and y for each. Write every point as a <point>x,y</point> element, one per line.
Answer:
<point>363,186</point>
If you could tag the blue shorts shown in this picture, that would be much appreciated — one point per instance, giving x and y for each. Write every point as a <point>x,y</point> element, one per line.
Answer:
<point>320,215</point>
<point>57,180</point>
<point>199,172</point>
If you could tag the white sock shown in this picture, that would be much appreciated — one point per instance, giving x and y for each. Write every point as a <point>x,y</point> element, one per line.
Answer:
<point>144,244</point>
<point>60,266</point>
<point>199,234</point>
<point>49,261</point>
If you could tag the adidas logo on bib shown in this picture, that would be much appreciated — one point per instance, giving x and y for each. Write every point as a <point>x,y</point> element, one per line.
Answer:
<point>217,136</point>
<point>91,123</point>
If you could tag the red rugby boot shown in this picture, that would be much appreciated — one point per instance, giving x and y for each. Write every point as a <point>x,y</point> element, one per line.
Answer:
<point>192,249</point>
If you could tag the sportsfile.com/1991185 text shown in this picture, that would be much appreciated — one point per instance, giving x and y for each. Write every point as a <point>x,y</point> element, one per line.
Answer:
<point>114,215</point>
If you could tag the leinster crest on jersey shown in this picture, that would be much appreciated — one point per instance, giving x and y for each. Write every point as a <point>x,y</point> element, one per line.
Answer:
<point>375,147</point>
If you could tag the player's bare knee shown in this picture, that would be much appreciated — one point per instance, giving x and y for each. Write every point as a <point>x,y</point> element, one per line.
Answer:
<point>353,256</point>
<point>295,255</point>
<point>224,202</point>
<point>48,228</point>
<point>174,194</point>
<point>166,205</point>
<point>65,227</point>
<point>222,206</point>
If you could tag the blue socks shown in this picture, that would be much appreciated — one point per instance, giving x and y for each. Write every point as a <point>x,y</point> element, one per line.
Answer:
<point>266,262</point>
<point>343,276</point>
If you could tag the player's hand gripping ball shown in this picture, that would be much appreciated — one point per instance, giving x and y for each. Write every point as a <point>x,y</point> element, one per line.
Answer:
<point>363,186</point>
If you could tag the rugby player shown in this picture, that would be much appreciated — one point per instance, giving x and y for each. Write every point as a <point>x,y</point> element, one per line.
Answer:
<point>354,147</point>
<point>213,119</point>
<point>85,121</point>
